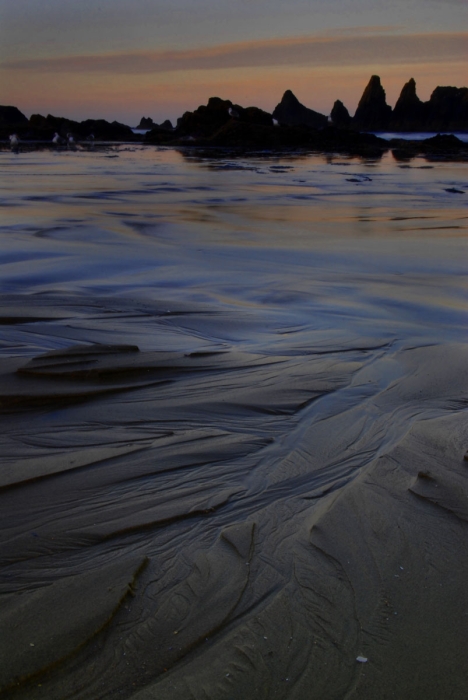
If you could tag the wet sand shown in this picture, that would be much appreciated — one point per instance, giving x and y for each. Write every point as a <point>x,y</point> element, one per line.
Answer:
<point>233,404</point>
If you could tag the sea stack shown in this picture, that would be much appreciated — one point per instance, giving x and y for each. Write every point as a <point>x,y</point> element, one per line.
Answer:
<point>448,109</point>
<point>146,123</point>
<point>373,112</point>
<point>206,119</point>
<point>410,112</point>
<point>340,116</point>
<point>291,112</point>
<point>11,116</point>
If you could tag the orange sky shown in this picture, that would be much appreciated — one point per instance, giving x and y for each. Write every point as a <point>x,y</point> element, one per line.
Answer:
<point>91,70</point>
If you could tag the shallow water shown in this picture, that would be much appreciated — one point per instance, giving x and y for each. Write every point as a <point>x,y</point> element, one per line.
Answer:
<point>296,317</point>
<point>369,246</point>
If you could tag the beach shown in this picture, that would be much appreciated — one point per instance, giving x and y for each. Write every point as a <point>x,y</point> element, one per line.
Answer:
<point>233,399</point>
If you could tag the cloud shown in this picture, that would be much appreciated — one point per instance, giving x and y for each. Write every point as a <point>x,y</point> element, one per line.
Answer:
<point>316,51</point>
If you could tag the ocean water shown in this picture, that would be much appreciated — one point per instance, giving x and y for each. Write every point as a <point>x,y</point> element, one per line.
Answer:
<point>329,242</point>
<point>297,317</point>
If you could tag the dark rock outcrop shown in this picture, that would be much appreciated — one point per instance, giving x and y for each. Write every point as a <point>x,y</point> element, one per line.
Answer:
<point>150,125</point>
<point>166,124</point>
<point>444,142</point>
<point>254,115</point>
<point>146,123</point>
<point>103,130</point>
<point>41,127</point>
<point>447,109</point>
<point>238,134</point>
<point>12,121</point>
<point>373,112</point>
<point>11,116</point>
<point>340,116</point>
<point>410,112</point>
<point>222,124</point>
<point>441,146</point>
<point>207,120</point>
<point>292,113</point>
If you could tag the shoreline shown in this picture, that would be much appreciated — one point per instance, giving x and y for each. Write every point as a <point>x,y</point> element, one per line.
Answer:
<point>444,145</point>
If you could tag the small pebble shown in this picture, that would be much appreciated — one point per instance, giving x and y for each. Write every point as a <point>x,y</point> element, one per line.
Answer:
<point>361,659</point>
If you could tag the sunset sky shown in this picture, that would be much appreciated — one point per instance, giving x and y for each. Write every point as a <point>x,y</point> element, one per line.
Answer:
<point>122,59</point>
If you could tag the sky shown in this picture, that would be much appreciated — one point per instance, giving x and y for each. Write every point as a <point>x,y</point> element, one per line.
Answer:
<point>124,59</point>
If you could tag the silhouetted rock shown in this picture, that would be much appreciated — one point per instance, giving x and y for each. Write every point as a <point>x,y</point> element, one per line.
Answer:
<point>146,123</point>
<point>161,132</point>
<point>244,135</point>
<point>11,116</point>
<point>440,147</point>
<point>254,115</point>
<point>45,127</point>
<point>12,121</point>
<point>410,113</point>
<point>292,113</point>
<point>445,142</point>
<point>447,109</point>
<point>340,116</point>
<point>206,119</point>
<point>102,130</point>
<point>373,112</point>
<point>222,124</point>
<point>167,124</point>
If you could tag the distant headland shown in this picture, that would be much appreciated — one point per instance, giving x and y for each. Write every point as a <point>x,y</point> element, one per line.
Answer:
<point>222,123</point>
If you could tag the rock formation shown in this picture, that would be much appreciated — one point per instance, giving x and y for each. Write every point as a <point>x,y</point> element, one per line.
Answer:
<point>166,124</point>
<point>106,131</point>
<point>373,112</point>
<point>292,125</point>
<point>340,116</point>
<point>447,109</point>
<point>291,112</point>
<point>208,119</point>
<point>410,112</point>
<point>44,128</point>
<point>149,125</point>
<point>11,116</point>
<point>222,124</point>
<point>146,123</point>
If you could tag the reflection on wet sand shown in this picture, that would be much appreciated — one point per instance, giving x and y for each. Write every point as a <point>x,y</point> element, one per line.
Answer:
<point>233,402</point>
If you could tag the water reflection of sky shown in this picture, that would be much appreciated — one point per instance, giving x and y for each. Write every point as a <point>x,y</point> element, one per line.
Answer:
<point>333,242</point>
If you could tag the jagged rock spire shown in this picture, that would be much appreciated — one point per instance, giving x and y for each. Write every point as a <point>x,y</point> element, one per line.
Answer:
<point>373,112</point>
<point>409,112</point>
<point>290,111</point>
<point>339,115</point>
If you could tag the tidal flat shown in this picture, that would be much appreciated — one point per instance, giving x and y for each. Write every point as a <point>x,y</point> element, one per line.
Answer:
<point>233,426</point>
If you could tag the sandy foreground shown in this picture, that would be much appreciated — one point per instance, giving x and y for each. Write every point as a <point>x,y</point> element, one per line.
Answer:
<point>187,525</point>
